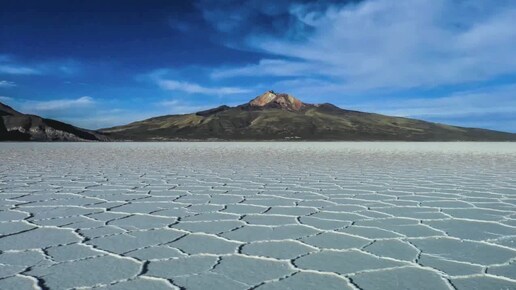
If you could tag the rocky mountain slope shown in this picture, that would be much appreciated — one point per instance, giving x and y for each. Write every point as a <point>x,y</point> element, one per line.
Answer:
<point>16,126</point>
<point>273,116</point>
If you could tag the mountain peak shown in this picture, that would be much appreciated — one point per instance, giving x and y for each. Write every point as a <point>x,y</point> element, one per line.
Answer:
<point>275,100</point>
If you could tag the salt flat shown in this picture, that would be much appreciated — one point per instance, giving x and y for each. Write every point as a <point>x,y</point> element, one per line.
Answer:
<point>258,215</point>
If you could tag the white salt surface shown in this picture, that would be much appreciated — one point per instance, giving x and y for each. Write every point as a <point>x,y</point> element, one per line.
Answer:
<point>258,215</point>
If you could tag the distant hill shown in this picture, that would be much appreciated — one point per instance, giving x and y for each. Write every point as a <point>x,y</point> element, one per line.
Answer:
<point>273,116</point>
<point>16,126</point>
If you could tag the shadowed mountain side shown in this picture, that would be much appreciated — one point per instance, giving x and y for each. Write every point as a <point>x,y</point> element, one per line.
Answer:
<point>16,126</point>
<point>274,116</point>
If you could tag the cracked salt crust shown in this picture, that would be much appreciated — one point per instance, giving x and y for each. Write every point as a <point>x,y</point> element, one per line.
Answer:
<point>258,216</point>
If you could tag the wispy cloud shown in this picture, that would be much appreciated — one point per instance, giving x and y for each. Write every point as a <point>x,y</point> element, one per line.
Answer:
<point>106,118</point>
<point>60,109</point>
<point>474,108</point>
<point>266,67</point>
<point>181,107</point>
<point>467,103</point>
<point>5,99</point>
<point>388,44</point>
<point>56,105</point>
<point>18,70</point>
<point>7,84</point>
<point>193,88</point>
<point>103,117</point>
<point>13,66</point>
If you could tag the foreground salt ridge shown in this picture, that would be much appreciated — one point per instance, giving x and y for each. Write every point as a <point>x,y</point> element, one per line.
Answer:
<point>264,216</point>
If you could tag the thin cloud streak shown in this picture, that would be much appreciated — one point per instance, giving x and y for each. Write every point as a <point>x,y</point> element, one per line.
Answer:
<point>7,84</point>
<point>470,108</point>
<point>192,88</point>
<point>265,67</point>
<point>181,107</point>
<point>5,99</point>
<point>59,67</point>
<point>56,105</point>
<point>18,70</point>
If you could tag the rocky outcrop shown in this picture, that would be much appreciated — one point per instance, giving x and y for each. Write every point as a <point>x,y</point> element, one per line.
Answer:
<point>272,100</point>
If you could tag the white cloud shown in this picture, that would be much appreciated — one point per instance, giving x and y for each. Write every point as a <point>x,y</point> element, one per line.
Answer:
<point>462,104</point>
<point>181,107</point>
<point>266,67</point>
<point>66,110</point>
<point>57,105</point>
<point>192,88</point>
<point>107,118</point>
<point>483,108</point>
<point>12,66</point>
<point>18,70</point>
<point>7,84</point>
<point>5,99</point>
<point>393,44</point>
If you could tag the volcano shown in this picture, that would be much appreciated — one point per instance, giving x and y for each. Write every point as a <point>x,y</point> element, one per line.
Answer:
<point>278,116</point>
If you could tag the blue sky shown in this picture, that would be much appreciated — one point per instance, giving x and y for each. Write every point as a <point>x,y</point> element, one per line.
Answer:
<point>97,64</point>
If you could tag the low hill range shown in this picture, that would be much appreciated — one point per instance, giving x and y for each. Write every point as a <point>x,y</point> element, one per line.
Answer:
<point>16,126</point>
<point>269,117</point>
